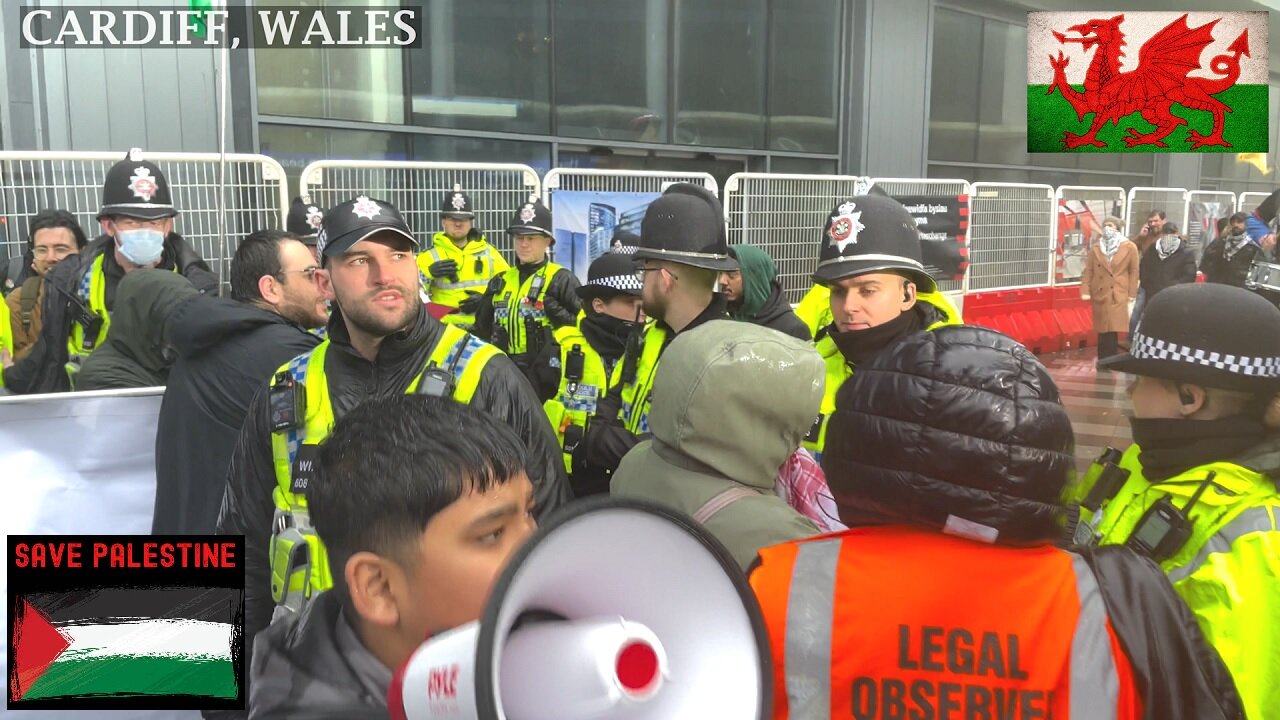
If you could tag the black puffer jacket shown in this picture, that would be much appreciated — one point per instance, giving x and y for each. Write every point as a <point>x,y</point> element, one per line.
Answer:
<point>1155,274</point>
<point>503,392</point>
<point>43,370</point>
<point>998,449</point>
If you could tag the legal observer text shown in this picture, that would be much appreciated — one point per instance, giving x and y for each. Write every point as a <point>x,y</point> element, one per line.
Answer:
<point>179,28</point>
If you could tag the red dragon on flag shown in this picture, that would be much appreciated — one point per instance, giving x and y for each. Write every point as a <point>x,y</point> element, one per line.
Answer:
<point>1160,81</point>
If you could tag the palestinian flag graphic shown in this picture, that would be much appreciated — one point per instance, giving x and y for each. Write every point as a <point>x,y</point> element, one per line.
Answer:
<point>126,637</point>
<point>1147,82</point>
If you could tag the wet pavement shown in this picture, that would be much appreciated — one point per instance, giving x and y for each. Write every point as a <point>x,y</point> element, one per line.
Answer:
<point>1095,400</point>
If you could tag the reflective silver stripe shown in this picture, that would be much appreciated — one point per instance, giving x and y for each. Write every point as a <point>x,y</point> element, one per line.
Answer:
<point>1255,519</point>
<point>435,255</point>
<point>478,283</point>
<point>810,615</point>
<point>1095,683</point>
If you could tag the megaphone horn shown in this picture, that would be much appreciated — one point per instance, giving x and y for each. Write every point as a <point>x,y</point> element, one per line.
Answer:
<point>613,609</point>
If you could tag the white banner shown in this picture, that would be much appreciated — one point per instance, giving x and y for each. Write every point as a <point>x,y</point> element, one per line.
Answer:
<point>79,463</point>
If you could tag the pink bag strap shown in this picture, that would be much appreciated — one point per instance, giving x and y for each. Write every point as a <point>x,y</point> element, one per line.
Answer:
<point>720,501</point>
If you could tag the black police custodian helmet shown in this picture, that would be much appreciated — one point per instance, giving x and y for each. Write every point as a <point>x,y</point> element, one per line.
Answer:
<point>346,224</point>
<point>136,188</point>
<point>610,275</point>
<point>871,233</point>
<point>686,226</point>
<point>457,205</point>
<point>1212,335</point>
<point>305,218</point>
<point>533,218</point>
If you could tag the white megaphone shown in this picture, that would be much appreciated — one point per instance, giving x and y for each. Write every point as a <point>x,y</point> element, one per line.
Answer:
<point>614,609</point>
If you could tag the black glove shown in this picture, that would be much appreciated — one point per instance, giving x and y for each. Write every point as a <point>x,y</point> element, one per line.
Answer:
<point>471,304</point>
<point>444,269</point>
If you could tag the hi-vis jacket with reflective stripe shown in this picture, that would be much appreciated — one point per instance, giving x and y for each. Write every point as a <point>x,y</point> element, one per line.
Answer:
<point>295,578</point>
<point>940,312</point>
<point>1229,570</point>
<point>6,337</point>
<point>478,263</point>
<point>896,622</point>
<point>576,400</point>
<point>815,309</point>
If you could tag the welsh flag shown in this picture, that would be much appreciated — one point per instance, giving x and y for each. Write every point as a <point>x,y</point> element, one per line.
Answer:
<point>126,647</point>
<point>1147,82</point>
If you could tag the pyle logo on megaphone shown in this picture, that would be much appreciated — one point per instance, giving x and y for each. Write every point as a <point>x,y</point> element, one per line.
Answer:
<point>442,683</point>
<point>613,609</point>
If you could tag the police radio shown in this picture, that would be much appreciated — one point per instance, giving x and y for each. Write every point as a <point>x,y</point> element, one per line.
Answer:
<point>1104,479</point>
<point>287,399</point>
<point>437,382</point>
<point>573,366</point>
<point>1164,528</point>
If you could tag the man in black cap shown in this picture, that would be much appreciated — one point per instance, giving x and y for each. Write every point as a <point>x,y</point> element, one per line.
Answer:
<point>588,353</point>
<point>1200,495</point>
<point>304,222</point>
<point>523,305</point>
<point>870,259</point>
<point>137,214</point>
<point>683,249</point>
<point>461,263</point>
<point>381,342</point>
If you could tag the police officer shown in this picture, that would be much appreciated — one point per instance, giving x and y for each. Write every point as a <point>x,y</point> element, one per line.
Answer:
<point>381,342</point>
<point>137,214</point>
<point>1196,491</point>
<point>589,350</point>
<point>870,261</point>
<point>523,305</point>
<point>304,220</point>
<point>947,455</point>
<point>682,251</point>
<point>461,263</point>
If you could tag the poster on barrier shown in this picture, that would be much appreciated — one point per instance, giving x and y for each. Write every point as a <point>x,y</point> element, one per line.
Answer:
<point>79,463</point>
<point>588,222</point>
<point>943,222</point>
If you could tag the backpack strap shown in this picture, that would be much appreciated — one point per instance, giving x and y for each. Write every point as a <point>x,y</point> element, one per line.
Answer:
<point>30,293</point>
<point>720,501</point>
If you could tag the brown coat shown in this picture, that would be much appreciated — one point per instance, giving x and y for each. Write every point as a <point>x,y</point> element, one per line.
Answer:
<point>1111,285</point>
<point>24,340</point>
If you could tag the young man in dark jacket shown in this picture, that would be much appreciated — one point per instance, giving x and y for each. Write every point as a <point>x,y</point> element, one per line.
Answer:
<point>381,342</point>
<point>753,294</point>
<point>420,502</point>
<point>1166,263</point>
<point>54,236</point>
<point>226,349</point>
<point>1229,257</point>
<point>138,213</point>
<point>948,456</point>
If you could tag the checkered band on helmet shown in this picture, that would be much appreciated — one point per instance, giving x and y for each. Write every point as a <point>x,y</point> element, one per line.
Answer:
<point>1149,348</point>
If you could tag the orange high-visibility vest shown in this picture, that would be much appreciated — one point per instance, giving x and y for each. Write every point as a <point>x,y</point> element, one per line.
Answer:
<point>893,622</point>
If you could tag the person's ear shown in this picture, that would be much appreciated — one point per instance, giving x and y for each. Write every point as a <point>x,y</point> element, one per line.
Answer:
<point>1190,399</point>
<point>270,290</point>
<point>908,295</point>
<point>325,283</point>
<point>373,583</point>
<point>597,305</point>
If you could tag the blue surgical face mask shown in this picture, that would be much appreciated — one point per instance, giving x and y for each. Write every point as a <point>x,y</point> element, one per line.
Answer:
<point>142,246</point>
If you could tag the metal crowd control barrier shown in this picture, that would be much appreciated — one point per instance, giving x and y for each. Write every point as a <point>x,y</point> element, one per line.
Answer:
<point>1204,209</point>
<point>931,188</point>
<point>1010,236</point>
<point>255,195</point>
<point>784,216</point>
<point>1145,200</point>
<point>1081,210</point>
<point>417,189</point>
<point>1248,201</point>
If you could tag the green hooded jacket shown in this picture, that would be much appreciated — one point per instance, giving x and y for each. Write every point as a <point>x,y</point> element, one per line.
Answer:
<point>763,301</point>
<point>731,403</point>
<point>134,354</point>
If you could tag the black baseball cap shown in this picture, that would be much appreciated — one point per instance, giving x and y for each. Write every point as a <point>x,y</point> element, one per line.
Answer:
<point>350,222</point>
